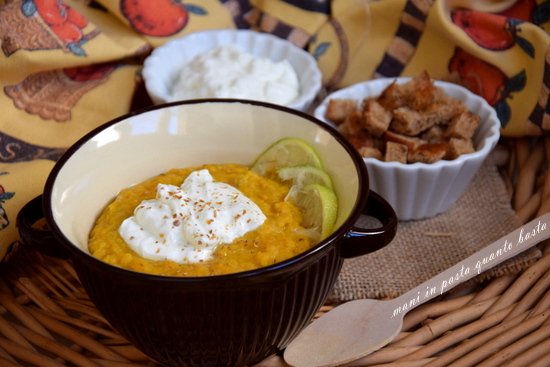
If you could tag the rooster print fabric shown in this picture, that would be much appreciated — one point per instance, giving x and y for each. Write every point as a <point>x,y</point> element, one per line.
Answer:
<point>68,66</point>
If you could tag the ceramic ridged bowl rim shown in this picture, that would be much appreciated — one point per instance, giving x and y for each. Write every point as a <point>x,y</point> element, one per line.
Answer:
<point>273,47</point>
<point>489,128</point>
<point>304,257</point>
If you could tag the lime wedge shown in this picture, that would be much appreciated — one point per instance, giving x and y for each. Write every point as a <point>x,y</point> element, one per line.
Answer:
<point>320,207</point>
<point>286,152</point>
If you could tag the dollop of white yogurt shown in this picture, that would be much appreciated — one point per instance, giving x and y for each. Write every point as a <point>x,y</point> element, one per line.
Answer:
<point>185,224</point>
<point>229,72</point>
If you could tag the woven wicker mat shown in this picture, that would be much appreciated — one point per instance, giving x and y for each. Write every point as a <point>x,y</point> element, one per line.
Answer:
<point>424,248</point>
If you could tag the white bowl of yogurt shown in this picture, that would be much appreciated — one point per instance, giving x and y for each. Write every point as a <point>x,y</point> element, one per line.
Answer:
<point>229,63</point>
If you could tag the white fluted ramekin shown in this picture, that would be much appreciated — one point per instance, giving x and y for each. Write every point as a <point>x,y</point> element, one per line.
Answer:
<point>421,190</point>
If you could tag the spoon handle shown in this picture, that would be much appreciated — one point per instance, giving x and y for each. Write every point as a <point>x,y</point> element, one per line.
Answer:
<point>503,249</point>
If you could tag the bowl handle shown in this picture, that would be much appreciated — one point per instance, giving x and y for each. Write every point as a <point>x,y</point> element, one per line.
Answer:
<point>41,240</point>
<point>361,241</point>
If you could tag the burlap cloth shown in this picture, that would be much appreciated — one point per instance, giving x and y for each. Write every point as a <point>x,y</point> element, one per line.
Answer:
<point>422,249</point>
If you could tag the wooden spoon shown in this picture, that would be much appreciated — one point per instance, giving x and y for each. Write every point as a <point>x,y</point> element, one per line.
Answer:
<point>358,328</point>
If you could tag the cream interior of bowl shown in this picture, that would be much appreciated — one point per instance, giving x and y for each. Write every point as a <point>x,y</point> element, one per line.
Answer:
<point>186,135</point>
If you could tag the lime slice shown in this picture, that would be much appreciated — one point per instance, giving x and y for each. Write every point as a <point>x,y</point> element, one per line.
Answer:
<point>286,152</point>
<point>320,207</point>
<point>304,174</point>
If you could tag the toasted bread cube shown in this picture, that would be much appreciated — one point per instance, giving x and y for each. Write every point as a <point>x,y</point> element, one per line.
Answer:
<point>441,113</point>
<point>417,94</point>
<point>360,139</point>
<point>428,153</point>
<point>434,134</point>
<point>420,92</point>
<point>457,147</point>
<point>352,124</point>
<point>409,122</point>
<point>463,125</point>
<point>370,152</point>
<point>410,141</point>
<point>376,119</point>
<point>339,109</point>
<point>392,97</point>
<point>396,152</point>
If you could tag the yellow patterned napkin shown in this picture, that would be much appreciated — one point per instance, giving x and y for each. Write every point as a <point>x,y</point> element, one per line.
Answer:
<point>62,75</point>
<point>68,66</point>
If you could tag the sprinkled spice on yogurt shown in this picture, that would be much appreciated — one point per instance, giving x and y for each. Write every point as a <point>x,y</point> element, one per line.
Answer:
<point>211,213</point>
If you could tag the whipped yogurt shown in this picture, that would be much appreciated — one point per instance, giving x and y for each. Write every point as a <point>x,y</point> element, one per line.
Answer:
<point>185,224</point>
<point>229,72</point>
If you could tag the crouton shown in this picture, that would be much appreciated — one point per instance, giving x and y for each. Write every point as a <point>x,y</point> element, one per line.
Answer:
<point>442,113</point>
<point>370,152</point>
<point>417,93</point>
<point>420,92</point>
<point>457,147</point>
<point>353,123</point>
<point>360,139</point>
<point>396,152</point>
<point>392,97</point>
<point>410,141</point>
<point>463,125</point>
<point>410,122</point>
<point>376,119</point>
<point>339,109</point>
<point>434,134</point>
<point>428,153</point>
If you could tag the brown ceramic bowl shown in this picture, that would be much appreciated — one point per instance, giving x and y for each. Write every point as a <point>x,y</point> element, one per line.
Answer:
<point>227,320</point>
